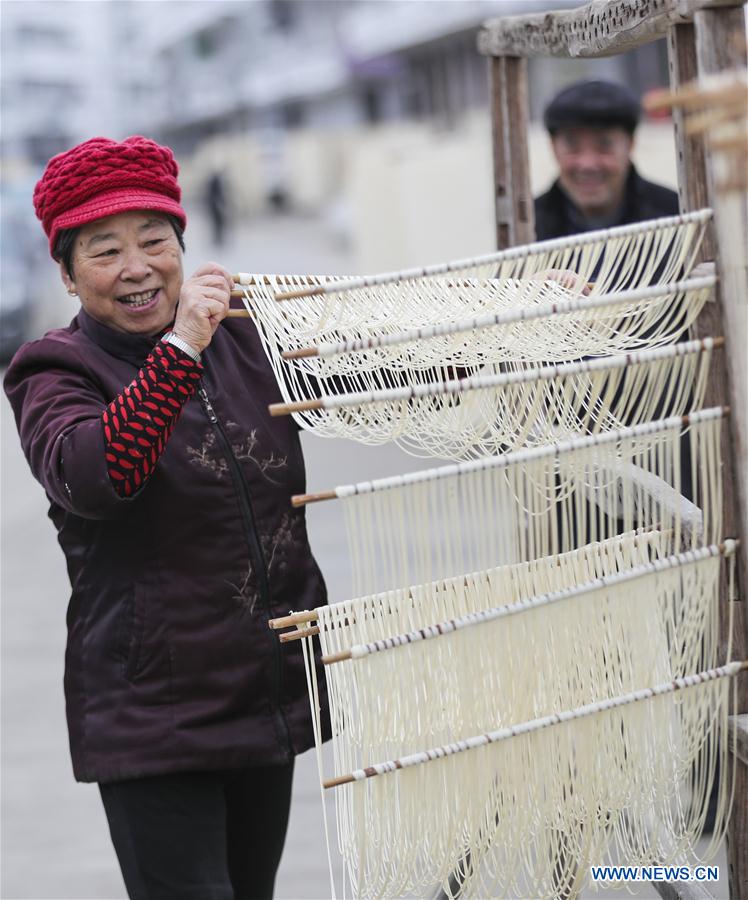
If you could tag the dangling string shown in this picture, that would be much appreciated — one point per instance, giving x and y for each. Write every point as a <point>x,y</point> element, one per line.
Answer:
<point>442,523</point>
<point>315,708</point>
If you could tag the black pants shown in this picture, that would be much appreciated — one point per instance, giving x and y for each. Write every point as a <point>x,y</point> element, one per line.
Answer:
<point>200,835</point>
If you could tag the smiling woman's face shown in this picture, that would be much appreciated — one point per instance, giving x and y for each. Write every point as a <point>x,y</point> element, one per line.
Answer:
<point>127,271</point>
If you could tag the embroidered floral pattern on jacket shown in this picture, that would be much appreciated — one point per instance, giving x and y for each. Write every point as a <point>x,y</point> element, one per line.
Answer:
<point>276,549</point>
<point>243,446</point>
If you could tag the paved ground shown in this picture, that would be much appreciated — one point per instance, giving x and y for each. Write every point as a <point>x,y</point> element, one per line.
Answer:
<point>55,844</point>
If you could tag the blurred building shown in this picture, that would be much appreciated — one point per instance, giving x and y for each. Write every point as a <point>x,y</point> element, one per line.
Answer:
<point>329,63</point>
<point>370,115</point>
<point>278,92</point>
<point>187,72</point>
<point>230,66</point>
<point>67,73</point>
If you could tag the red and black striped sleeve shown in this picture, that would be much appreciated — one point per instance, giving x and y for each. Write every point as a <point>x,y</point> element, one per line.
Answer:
<point>138,422</point>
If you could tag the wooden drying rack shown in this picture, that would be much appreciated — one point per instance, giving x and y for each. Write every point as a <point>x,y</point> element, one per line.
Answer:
<point>704,37</point>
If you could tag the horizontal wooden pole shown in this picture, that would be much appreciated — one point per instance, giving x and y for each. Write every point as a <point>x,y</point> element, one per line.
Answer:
<point>309,616</point>
<point>243,280</point>
<point>529,727</point>
<point>452,626</point>
<point>239,314</point>
<point>299,618</point>
<point>285,409</point>
<point>303,292</point>
<point>337,781</point>
<point>506,317</point>
<point>477,382</point>
<point>332,494</point>
<point>297,635</point>
<point>736,142</point>
<point>251,280</point>
<point>695,96</point>
<point>705,121</point>
<point>300,353</point>
<point>298,500</point>
<point>340,656</point>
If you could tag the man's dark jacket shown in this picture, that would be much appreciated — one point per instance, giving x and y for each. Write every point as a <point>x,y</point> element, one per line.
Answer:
<point>170,664</point>
<point>642,200</point>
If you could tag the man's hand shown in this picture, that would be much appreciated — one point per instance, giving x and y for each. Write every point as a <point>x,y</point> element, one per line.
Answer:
<point>570,280</point>
<point>203,303</point>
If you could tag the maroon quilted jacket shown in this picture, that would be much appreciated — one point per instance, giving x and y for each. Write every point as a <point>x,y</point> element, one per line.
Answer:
<point>170,664</point>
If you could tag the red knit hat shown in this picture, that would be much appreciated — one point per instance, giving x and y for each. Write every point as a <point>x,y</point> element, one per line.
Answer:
<point>101,177</point>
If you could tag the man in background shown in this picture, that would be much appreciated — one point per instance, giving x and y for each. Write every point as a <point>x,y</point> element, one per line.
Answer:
<point>592,125</point>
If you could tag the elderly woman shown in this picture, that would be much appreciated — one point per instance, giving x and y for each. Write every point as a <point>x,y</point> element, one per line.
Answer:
<point>146,422</point>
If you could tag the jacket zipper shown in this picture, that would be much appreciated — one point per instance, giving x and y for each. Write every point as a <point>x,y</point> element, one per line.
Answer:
<point>255,548</point>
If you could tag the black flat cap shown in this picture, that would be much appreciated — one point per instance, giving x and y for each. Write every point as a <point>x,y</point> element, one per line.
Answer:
<point>597,104</point>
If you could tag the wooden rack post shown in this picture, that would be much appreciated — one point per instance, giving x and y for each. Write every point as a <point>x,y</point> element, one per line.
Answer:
<point>515,213</point>
<point>704,37</point>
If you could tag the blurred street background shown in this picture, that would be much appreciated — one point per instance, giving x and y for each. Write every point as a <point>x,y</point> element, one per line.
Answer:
<point>337,136</point>
<point>368,117</point>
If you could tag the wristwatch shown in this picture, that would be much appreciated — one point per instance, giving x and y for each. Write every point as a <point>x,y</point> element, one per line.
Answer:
<point>171,338</point>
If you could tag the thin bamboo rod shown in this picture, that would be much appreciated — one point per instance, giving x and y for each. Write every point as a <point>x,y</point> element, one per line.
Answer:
<point>482,382</point>
<point>285,409</point>
<point>239,314</point>
<point>324,289</point>
<point>298,618</point>
<point>304,292</point>
<point>639,535</point>
<point>575,240</point>
<point>429,632</point>
<point>298,634</point>
<point>525,314</point>
<point>246,280</point>
<point>298,500</point>
<point>704,121</point>
<point>695,96</point>
<point>492,737</point>
<point>300,353</point>
<point>736,142</point>
<point>243,279</point>
<point>252,279</point>
<point>516,456</point>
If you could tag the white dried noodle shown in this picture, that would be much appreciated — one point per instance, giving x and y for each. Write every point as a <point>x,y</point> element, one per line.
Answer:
<point>400,835</point>
<point>483,645</point>
<point>530,504</point>
<point>527,679</point>
<point>645,254</point>
<point>506,321</point>
<point>481,415</point>
<point>525,810</point>
<point>509,320</point>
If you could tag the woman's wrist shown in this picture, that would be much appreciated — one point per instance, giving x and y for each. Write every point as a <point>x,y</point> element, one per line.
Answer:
<point>171,337</point>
